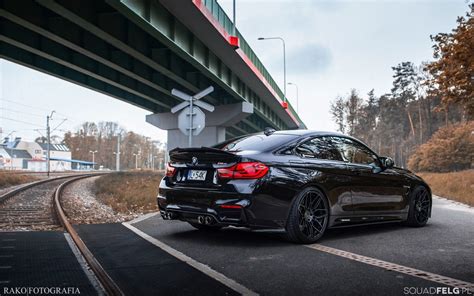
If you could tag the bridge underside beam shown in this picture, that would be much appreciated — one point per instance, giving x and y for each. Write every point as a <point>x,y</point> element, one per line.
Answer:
<point>90,43</point>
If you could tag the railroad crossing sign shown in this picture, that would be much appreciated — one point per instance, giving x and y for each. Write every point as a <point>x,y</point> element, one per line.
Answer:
<point>191,120</point>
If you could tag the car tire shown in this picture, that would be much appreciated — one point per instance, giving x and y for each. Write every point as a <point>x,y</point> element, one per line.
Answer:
<point>204,227</point>
<point>420,207</point>
<point>308,217</point>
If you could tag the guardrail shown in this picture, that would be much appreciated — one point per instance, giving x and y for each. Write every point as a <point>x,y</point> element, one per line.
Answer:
<point>220,15</point>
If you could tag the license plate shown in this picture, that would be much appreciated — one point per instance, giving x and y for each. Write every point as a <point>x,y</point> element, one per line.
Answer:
<point>195,175</point>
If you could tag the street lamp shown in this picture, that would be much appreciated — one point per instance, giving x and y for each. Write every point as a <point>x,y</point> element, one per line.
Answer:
<point>234,31</point>
<point>93,158</point>
<point>136,159</point>
<point>297,99</point>
<point>284,62</point>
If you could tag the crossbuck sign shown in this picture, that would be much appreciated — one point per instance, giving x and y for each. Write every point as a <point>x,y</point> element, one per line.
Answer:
<point>191,120</point>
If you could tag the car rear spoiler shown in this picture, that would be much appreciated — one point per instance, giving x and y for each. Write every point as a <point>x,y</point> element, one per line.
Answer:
<point>203,155</point>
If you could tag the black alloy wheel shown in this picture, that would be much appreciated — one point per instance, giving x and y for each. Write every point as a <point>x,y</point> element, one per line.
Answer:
<point>420,207</point>
<point>309,216</point>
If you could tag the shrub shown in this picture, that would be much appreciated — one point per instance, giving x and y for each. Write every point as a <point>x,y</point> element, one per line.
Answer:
<point>129,192</point>
<point>450,149</point>
<point>10,179</point>
<point>455,185</point>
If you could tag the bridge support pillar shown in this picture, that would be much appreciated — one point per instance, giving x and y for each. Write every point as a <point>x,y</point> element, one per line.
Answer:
<point>216,123</point>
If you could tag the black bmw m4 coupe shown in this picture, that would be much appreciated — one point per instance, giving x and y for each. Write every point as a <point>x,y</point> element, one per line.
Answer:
<point>301,182</point>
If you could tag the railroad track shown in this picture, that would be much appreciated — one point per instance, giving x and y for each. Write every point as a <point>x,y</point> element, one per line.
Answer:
<point>30,206</point>
<point>38,205</point>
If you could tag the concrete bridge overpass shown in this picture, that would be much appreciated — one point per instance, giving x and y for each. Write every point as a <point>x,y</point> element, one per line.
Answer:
<point>138,50</point>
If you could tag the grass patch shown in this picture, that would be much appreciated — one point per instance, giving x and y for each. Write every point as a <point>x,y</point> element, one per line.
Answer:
<point>8,179</point>
<point>457,186</point>
<point>129,192</point>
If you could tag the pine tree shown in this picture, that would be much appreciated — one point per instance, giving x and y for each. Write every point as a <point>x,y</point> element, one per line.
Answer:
<point>453,68</point>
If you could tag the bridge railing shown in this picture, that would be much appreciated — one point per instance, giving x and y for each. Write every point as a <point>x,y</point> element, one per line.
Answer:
<point>220,15</point>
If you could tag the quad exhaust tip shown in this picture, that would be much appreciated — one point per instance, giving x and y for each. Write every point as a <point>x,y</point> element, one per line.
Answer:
<point>168,215</point>
<point>207,220</point>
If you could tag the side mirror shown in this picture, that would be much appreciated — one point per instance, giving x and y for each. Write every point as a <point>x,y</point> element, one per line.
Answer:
<point>387,162</point>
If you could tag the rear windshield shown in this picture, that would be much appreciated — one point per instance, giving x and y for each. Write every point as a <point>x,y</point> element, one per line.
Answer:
<point>258,142</point>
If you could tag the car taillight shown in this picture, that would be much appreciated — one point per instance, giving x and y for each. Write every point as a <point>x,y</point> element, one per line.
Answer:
<point>230,206</point>
<point>170,170</point>
<point>243,170</point>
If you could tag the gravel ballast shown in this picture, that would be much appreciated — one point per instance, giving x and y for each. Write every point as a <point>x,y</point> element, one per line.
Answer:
<point>82,207</point>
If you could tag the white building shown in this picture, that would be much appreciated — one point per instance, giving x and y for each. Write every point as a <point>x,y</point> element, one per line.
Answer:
<point>59,155</point>
<point>32,156</point>
<point>14,159</point>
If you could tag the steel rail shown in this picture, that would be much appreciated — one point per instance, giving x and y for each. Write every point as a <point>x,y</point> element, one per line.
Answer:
<point>110,287</point>
<point>7,195</point>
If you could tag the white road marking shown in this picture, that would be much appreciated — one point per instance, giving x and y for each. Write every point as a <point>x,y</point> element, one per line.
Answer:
<point>9,240</point>
<point>440,279</point>
<point>143,217</point>
<point>85,267</point>
<point>4,282</point>
<point>5,267</point>
<point>7,247</point>
<point>190,261</point>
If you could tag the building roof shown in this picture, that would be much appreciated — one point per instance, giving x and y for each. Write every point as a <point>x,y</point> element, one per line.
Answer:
<point>18,153</point>
<point>54,147</point>
<point>73,161</point>
<point>11,143</point>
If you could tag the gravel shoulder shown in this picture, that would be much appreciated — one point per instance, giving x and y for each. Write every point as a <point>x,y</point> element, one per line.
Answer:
<point>82,207</point>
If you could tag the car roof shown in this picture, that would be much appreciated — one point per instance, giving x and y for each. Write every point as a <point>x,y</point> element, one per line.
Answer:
<point>301,132</point>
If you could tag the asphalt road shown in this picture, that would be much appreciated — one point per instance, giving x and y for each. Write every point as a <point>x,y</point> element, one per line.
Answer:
<point>268,265</point>
<point>157,257</point>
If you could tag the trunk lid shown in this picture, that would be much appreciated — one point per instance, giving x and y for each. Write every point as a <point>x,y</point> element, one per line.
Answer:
<point>197,167</point>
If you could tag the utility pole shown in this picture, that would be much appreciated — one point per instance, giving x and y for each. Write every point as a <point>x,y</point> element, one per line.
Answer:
<point>191,126</point>
<point>153,162</point>
<point>11,150</point>
<point>117,155</point>
<point>93,158</point>
<point>48,136</point>
<point>11,158</point>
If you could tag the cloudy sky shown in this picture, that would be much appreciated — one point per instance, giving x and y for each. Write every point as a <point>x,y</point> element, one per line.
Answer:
<point>332,46</point>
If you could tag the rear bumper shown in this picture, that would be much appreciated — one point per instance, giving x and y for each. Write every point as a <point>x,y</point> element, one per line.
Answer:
<point>189,203</point>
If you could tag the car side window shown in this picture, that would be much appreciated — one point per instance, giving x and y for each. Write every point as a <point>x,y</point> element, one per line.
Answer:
<point>320,148</point>
<point>354,152</point>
